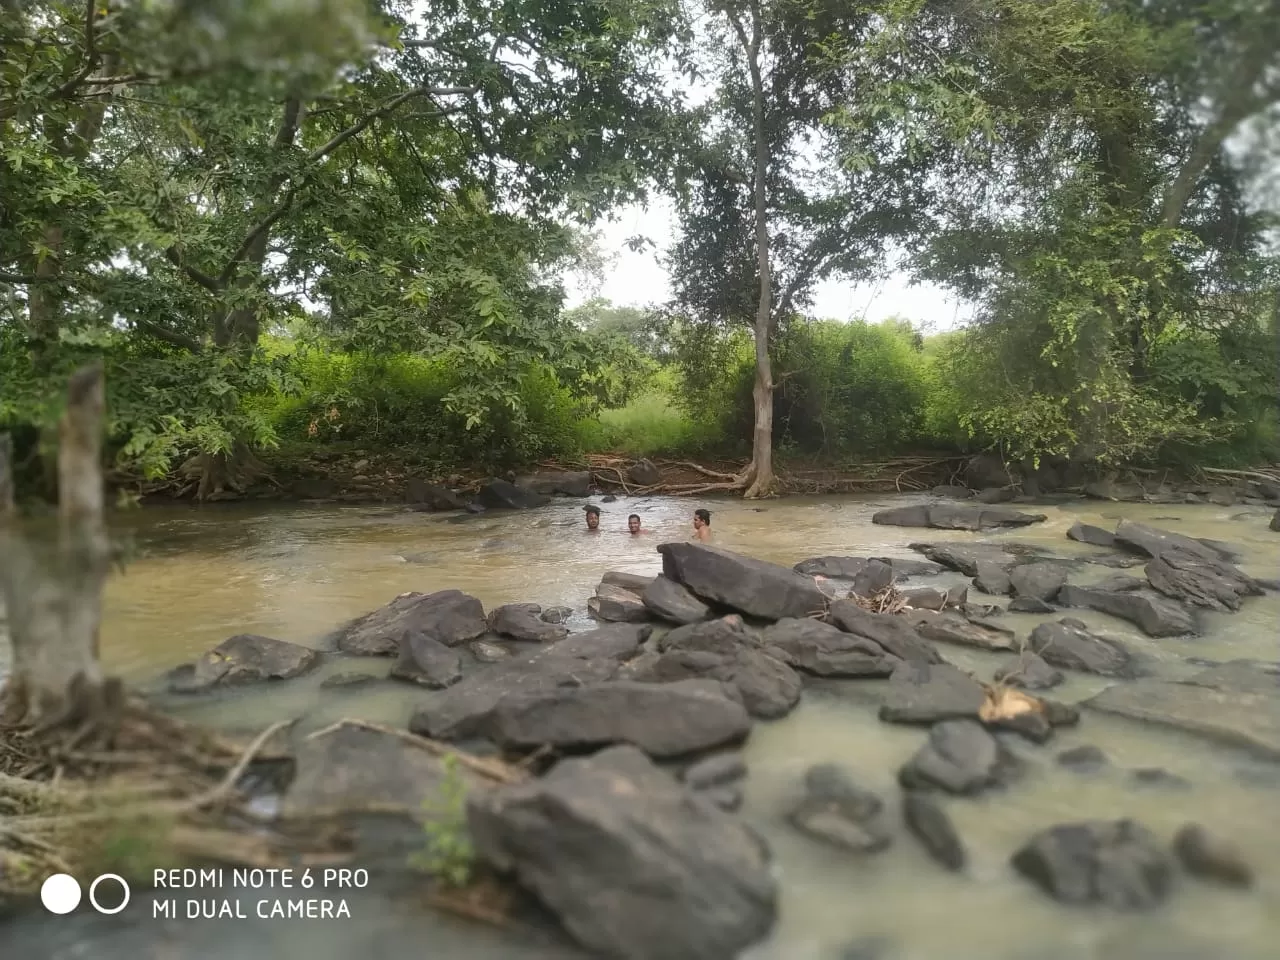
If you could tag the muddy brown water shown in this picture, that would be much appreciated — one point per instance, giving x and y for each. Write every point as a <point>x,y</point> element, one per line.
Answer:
<point>200,575</point>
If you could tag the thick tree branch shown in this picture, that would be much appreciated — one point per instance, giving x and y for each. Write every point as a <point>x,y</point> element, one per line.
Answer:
<point>22,279</point>
<point>199,276</point>
<point>255,235</point>
<point>390,106</point>
<point>171,337</point>
<point>90,50</point>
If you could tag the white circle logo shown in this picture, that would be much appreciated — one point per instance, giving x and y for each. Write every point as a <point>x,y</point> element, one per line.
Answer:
<point>60,893</point>
<point>93,888</point>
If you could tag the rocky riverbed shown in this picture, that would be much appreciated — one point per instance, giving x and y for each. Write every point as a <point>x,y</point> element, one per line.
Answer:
<point>704,726</point>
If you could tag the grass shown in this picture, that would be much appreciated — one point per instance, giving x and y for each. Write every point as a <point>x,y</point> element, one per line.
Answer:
<point>648,426</point>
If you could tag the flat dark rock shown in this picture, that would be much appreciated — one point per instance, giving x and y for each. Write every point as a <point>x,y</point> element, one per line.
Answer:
<point>352,768</point>
<point>964,558</point>
<point>992,578</point>
<point>1068,643</point>
<point>929,693</point>
<point>631,582</point>
<point>662,719</point>
<point>836,810</point>
<point>951,628</point>
<point>503,495</point>
<point>1030,672</point>
<point>567,483</point>
<point>674,602</point>
<point>1156,615</point>
<point>450,616</point>
<point>1040,580</point>
<point>753,587</point>
<point>1244,676</point>
<point>1153,541</point>
<point>632,863</point>
<point>890,631</point>
<point>929,822</point>
<point>960,757</point>
<point>615,641</point>
<point>245,658</point>
<point>1029,605</point>
<point>1119,864</point>
<point>956,516</point>
<point>1239,718</point>
<point>1213,584</point>
<point>1088,533</point>
<point>826,651</point>
<point>523,621</point>
<point>615,604</point>
<point>925,598</point>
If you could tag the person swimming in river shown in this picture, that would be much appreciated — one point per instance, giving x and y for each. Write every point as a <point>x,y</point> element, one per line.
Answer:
<point>593,518</point>
<point>633,524</point>
<point>702,525</point>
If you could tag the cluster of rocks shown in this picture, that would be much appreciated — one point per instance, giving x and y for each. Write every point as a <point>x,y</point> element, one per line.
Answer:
<point>630,837</point>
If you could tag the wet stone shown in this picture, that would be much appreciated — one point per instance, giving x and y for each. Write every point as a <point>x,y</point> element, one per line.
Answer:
<point>1068,643</point>
<point>426,661</point>
<point>950,628</point>
<point>1029,605</point>
<point>929,693</point>
<point>1211,858</point>
<point>1030,672</point>
<point>929,822</point>
<point>992,579</point>
<point>823,650</point>
<point>524,621</point>
<point>614,604</point>
<point>837,811</point>
<point>959,757</point>
<point>1159,777</point>
<point>347,680</point>
<point>715,771</point>
<point>486,652</point>
<point>1119,864</point>
<point>1041,580</point>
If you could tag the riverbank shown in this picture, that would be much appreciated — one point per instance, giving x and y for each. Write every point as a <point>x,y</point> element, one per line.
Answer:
<point>355,473</point>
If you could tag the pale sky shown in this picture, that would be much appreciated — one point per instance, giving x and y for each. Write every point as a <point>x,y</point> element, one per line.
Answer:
<point>638,279</point>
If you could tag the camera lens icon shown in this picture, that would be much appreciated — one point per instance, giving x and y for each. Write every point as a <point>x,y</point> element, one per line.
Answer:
<point>61,894</point>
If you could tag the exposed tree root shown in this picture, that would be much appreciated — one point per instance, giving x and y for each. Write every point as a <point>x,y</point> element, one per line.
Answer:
<point>218,475</point>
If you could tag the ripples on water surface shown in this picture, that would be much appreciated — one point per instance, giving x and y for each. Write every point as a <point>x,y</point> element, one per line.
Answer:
<point>296,573</point>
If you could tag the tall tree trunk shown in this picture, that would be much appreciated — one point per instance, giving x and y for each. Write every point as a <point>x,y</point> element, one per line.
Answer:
<point>53,590</point>
<point>759,475</point>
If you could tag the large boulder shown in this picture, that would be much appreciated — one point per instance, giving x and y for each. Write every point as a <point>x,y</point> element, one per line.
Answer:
<point>615,604</point>
<point>643,473</point>
<point>501,494</point>
<point>987,470</point>
<point>674,602</point>
<point>1213,584</point>
<point>957,516</point>
<point>1040,580</point>
<point>837,811</point>
<point>1068,643</point>
<point>889,631</point>
<point>1030,672</point>
<point>826,651</point>
<point>463,710</point>
<point>952,628</point>
<point>631,582</point>
<point>633,864</point>
<point>450,616</point>
<point>965,557</point>
<point>352,768</point>
<point>874,578</point>
<point>993,579</point>
<point>1116,863</point>
<point>723,650</point>
<point>928,821</point>
<point>1153,541</point>
<point>568,483</point>
<point>431,496</point>
<point>1088,533</point>
<point>244,658</point>
<point>523,621</point>
<point>929,693</point>
<point>754,587</point>
<point>1156,615</point>
<point>663,719</point>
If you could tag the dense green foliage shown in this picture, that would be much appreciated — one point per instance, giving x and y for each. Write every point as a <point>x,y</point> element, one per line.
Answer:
<point>329,221</point>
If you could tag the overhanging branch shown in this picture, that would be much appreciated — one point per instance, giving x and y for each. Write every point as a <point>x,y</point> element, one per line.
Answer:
<point>90,50</point>
<point>199,276</point>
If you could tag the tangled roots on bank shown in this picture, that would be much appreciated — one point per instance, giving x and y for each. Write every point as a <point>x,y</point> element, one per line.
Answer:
<point>133,789</point>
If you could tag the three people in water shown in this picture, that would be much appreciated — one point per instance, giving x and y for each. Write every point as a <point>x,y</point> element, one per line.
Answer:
<point>701,523</point>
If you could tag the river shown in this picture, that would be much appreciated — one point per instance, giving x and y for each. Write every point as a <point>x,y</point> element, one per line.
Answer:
<point>197,576</point>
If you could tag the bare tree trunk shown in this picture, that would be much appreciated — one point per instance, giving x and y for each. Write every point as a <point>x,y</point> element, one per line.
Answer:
<point>53,591</point>
<point>759,476</point>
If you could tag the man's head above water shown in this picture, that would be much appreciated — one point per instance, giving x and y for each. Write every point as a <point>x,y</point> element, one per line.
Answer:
<point>593,516</point>
<point>633,523</point>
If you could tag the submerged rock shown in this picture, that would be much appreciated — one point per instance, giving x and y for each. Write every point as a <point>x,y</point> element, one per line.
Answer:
<point>1030,672</point>
<point>835,810</point>
<point>346,680</point>
<point>929,822</point>
<point>450,616</point>
<point>674,602</point>
<point>426,661</point>
<point>959,757</point>
<point>750,586</point>
<point>662,719</point>
<point>1211,858</point>
<point>929,693</point>
<point>523,621</point>
<point>652,872</point>
<point>956,516</point>
<point>1116,863</point>
<point>1083,759</point>
<point>1068,643</point>
<point>1241,718</point>
<point>1156,615</point>
<point>244,658</point>
<point>826,651</point>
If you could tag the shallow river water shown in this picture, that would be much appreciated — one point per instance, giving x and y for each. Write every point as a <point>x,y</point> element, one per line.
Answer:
<point>295,573</point>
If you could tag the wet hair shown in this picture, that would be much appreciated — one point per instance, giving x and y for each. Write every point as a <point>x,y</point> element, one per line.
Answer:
<point>703,515</point>
<point>591,508</point>
<point>635,517</point>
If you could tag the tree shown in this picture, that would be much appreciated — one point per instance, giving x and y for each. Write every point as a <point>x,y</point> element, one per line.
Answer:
<point>769,211</point>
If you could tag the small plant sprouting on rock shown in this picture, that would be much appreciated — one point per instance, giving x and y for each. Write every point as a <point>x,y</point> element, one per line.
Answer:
<point>448,854</point>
